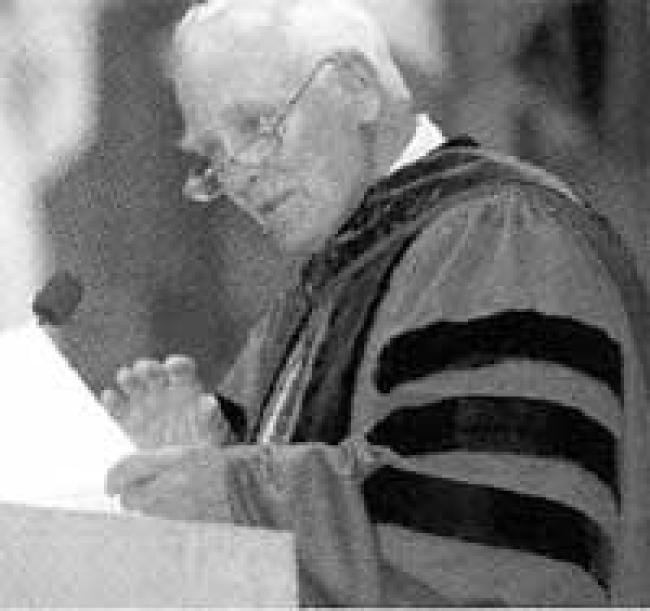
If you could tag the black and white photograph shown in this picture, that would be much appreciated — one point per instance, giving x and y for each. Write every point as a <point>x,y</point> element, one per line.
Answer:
<point>324,303</point>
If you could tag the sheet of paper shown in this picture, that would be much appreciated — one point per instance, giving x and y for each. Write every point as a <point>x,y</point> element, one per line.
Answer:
<point>56,440</point>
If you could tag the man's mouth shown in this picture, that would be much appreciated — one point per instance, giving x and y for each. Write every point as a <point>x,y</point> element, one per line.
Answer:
<point>258,206</point>
<point>270,204</point>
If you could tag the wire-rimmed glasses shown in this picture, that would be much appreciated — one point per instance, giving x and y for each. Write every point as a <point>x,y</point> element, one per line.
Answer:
<point>245,164</point>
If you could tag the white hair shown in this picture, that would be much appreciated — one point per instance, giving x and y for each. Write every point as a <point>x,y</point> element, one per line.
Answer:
<point>317,28</point>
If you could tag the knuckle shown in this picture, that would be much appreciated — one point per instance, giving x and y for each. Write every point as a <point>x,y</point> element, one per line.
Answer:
<point>150,371</point>
<point>112,401</point>
<point>180,360</point>
<point>144,365</point>
<point>107,396</point>
<point>208,403</point>
<point>123,373</point>
<point>178,366</point>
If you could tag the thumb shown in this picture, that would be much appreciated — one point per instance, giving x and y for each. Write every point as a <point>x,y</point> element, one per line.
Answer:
<point>139,468</point>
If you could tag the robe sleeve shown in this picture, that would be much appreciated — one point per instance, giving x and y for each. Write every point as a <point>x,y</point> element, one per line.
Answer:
<point>316,491</point>
<point>494,371</point>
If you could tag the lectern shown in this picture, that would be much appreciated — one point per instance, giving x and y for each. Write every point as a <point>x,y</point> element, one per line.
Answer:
<point>63,558</point>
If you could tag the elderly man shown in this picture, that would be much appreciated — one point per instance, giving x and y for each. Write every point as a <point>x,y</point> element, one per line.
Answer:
<point>449,406</point>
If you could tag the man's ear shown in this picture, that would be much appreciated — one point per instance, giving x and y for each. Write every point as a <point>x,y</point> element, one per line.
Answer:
<point>360,82</point>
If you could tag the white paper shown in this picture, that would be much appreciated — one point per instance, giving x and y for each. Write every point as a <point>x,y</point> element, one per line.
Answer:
<point>56,440</point>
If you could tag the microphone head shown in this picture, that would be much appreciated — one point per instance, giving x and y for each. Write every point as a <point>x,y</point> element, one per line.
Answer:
<point>55,303</point>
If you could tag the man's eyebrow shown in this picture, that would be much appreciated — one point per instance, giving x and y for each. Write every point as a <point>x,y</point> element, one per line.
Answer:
<point>190,145</point>
<point>197,146</point>
<point>234,114</point>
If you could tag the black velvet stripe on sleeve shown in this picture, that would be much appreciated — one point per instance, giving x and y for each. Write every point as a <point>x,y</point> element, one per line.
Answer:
<point>516,425</point>
<point>521,334</point>
<point>489,516</point>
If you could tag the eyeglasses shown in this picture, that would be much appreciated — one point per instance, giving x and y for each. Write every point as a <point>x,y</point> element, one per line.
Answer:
<point>249,161</point>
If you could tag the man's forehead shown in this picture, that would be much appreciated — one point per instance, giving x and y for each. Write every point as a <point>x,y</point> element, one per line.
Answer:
<point>217,79</point>
<point>244,75</point>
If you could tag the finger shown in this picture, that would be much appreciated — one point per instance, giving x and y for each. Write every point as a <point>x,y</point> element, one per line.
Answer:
<point>151,495</point>
<point>135,498</point>
<point>182,370</point>
<point>137,469</point>
<point>129,383</point>
<point>201,421</point>
<point>171,506</point>
<point>114,403</point>
<point>184,491</point>
<point>176,430</point>
<point>207,408</point>
<point>211,418</point>
<point>151,373</point>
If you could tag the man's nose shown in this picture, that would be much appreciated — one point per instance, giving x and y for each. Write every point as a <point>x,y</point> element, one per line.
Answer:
<point>195,189</point>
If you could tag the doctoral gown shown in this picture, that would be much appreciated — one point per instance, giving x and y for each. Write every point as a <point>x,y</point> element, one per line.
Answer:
<point>450,405</point>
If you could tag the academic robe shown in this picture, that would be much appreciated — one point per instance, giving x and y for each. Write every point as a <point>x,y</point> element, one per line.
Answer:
<point>451,405</point>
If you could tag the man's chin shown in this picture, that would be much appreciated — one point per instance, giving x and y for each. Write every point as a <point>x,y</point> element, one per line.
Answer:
<point>280,222</point>
<point>270,205</point>
<point>261,210</point>
<point>296,244</point>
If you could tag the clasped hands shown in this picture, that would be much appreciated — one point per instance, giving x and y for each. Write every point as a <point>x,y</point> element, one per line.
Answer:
<point>183,438</point>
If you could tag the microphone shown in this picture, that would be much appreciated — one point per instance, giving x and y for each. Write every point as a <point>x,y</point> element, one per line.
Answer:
<point>57,301</point>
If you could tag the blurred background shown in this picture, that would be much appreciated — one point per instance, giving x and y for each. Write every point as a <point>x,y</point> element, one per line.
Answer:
<point>90,179</point>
